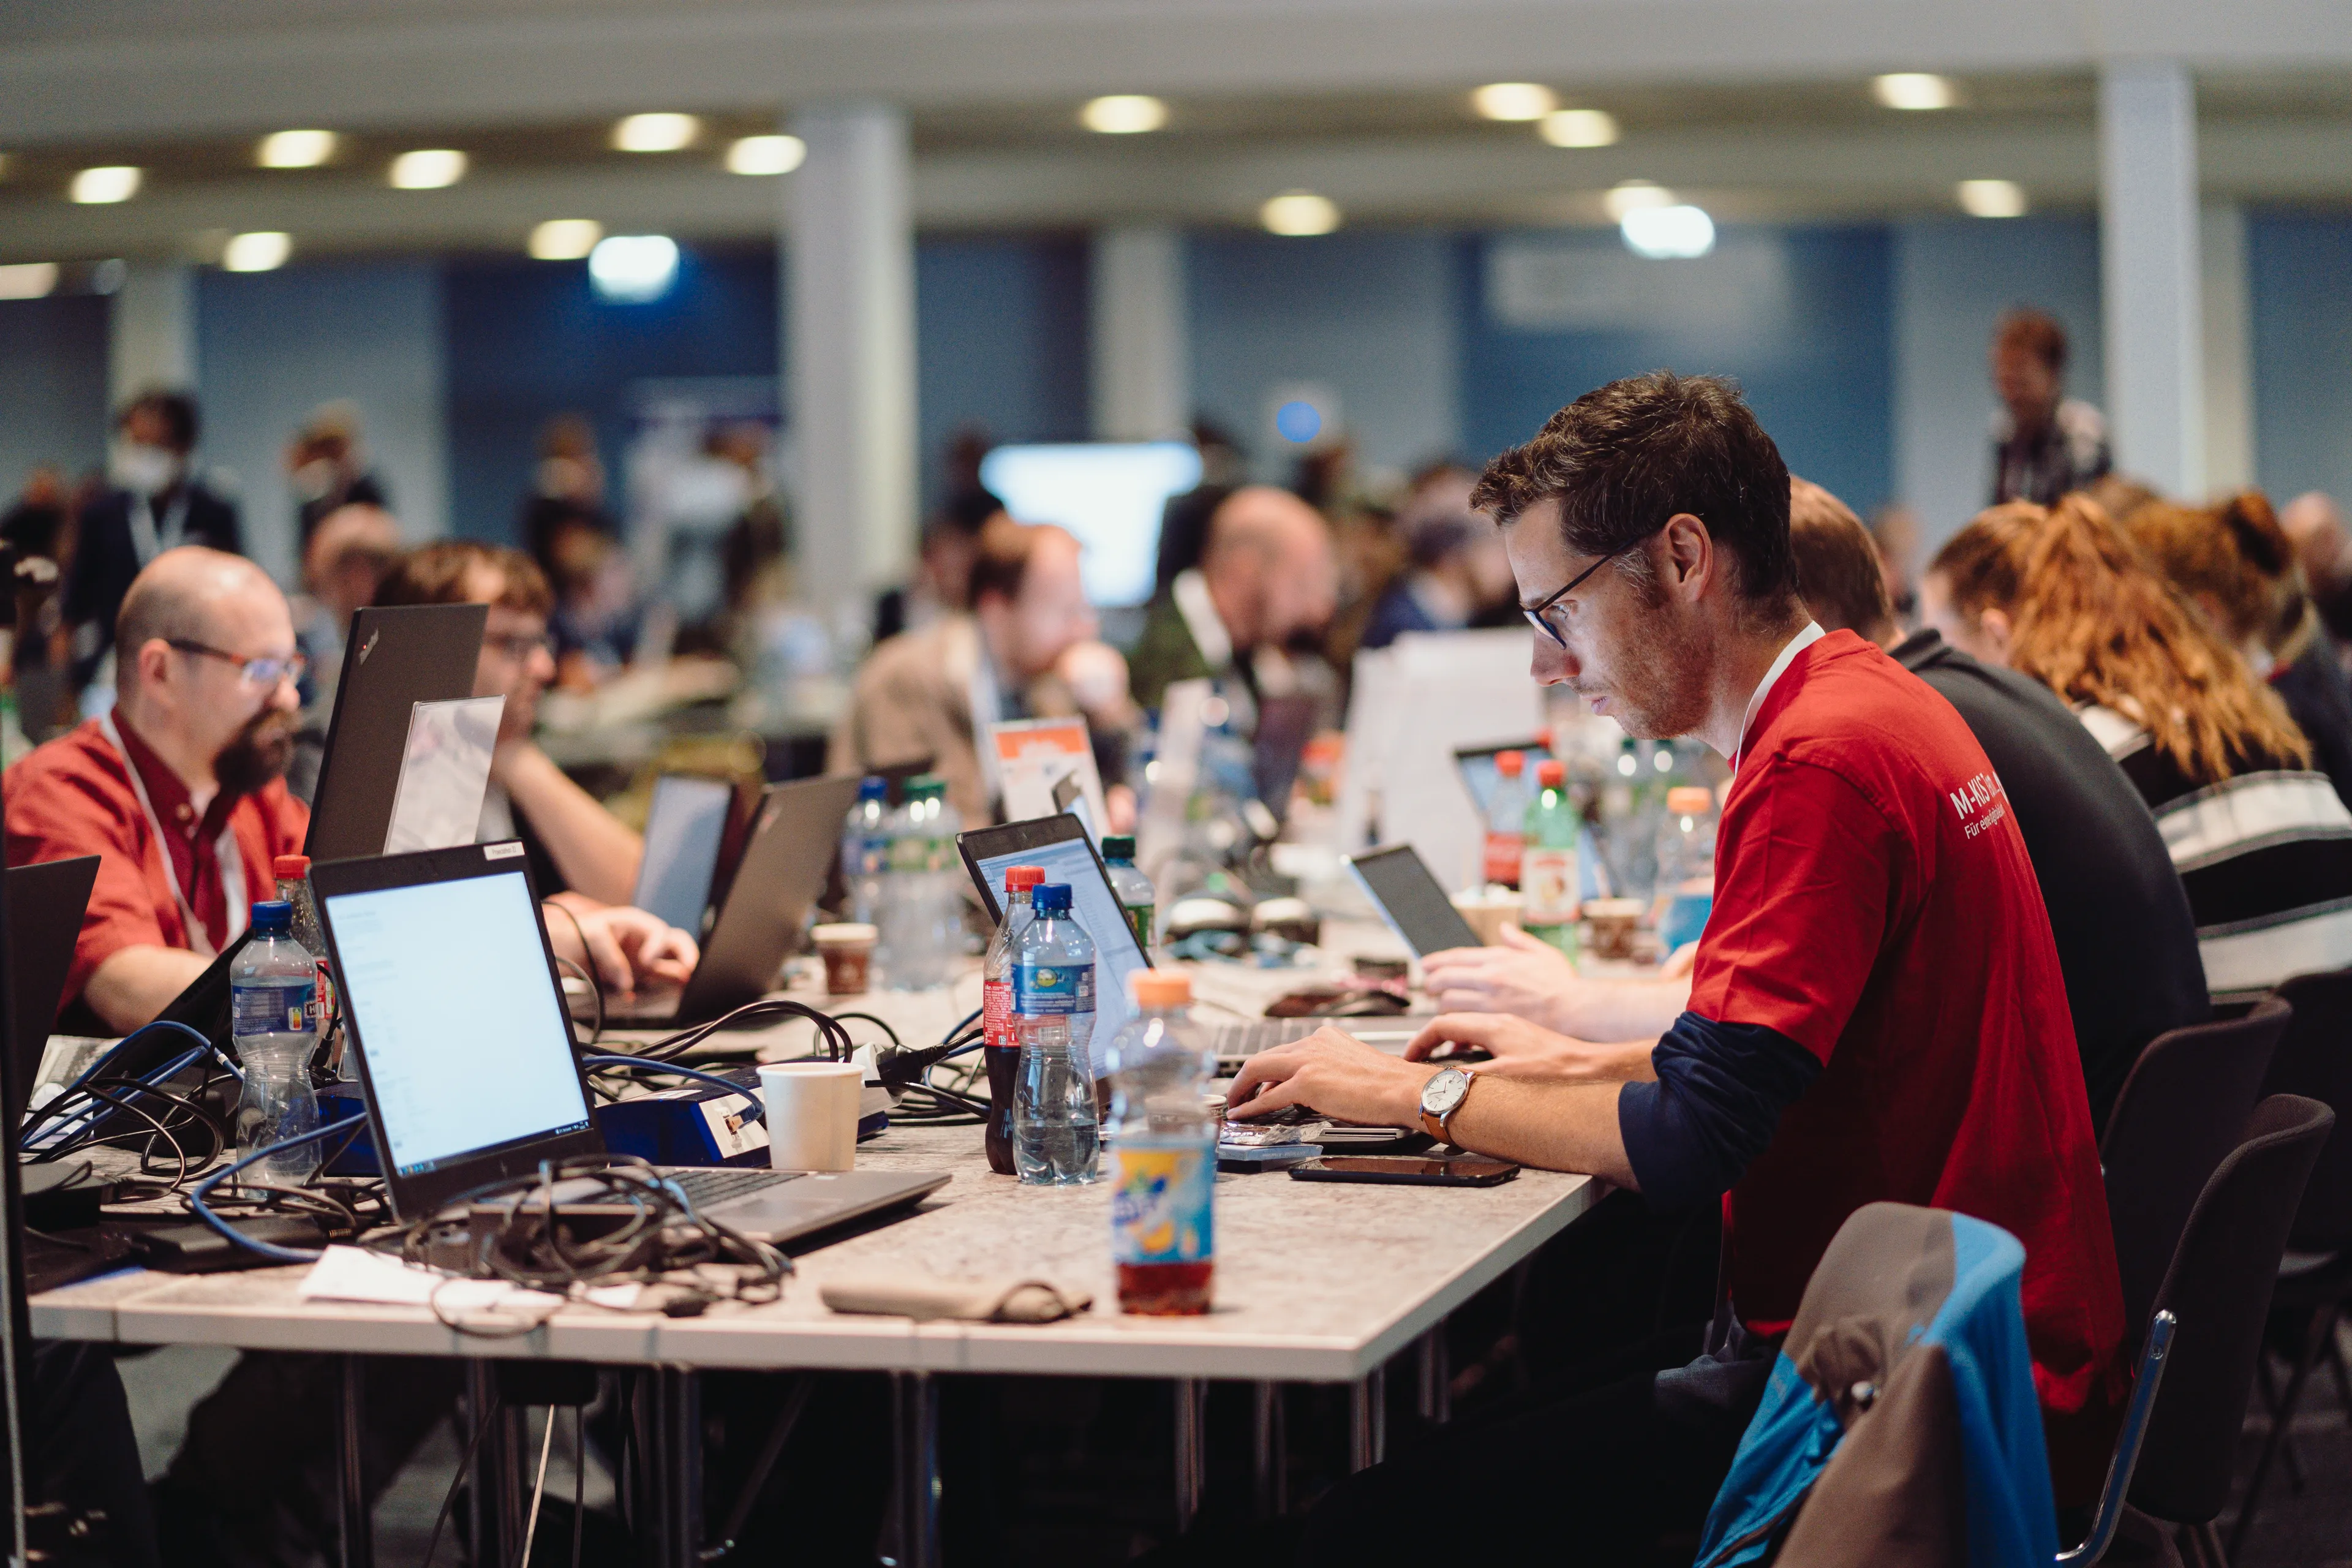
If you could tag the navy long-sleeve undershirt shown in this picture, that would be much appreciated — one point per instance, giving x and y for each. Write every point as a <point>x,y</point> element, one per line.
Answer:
<point>1716,1102</point>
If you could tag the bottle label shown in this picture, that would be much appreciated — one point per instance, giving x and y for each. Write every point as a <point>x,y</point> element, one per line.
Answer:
<point>997,1013</point>
<point>1052,988</point>
<point>1139,920</point>
<point>1160,1204</point>
<point>1503,852</point>
<point>284,1009</point>
<point>1547,886</point>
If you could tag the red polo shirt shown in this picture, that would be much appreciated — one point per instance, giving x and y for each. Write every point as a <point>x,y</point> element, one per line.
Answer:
<point>1873,903</point>
<point>73,796</point>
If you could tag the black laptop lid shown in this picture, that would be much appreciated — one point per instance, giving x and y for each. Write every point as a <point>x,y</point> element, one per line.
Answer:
<point>45,906</point>
<point>397,656</point>
<point>794,837</point>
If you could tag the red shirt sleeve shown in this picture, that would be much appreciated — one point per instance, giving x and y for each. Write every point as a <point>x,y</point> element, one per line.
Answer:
<point>1805,876</point>
<point>64,808</point>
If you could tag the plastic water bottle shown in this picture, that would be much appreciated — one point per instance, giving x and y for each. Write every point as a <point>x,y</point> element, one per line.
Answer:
<point>1507,818</point>
<point>293,876</point>
<point>865,850</point>
<point>1055,1123</point>
<point>1548,883</point>
<point>1136,897</point>
<point>274,1026</point>
<point>1000,1041</point>
<point>922,924</point>
<point>1686,865</point>
<point>1163,1151</point>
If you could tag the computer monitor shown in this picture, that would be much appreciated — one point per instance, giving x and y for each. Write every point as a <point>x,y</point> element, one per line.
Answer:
<point>1109,494</point>
<point>397,656</point>
<point>46,902</point>
<point>1060,847</point>
<point>684,829</point>
<point>1479,774</point>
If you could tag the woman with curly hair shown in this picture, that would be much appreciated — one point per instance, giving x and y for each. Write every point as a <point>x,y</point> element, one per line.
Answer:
<point>2263,843</point>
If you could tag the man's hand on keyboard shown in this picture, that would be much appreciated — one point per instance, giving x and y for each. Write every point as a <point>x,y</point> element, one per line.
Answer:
<point>1334,1073</point>
<point>1521,1049</point>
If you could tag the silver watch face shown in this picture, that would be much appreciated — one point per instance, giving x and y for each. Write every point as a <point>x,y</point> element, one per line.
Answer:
<point>1442,1093</point>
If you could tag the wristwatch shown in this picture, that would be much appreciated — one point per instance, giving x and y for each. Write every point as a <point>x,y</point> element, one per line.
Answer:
<point>1441,1097</point>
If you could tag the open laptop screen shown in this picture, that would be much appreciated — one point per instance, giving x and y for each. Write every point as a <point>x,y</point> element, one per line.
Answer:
<point>461,1034</point>
<point>1059,845</point>
<point>684,832</point>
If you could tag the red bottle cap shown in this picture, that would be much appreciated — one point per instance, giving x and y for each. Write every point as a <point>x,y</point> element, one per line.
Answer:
<point>1023,877</point>
<point>1510,763</point>
<point>290,867</point>
<point>1551,773</point>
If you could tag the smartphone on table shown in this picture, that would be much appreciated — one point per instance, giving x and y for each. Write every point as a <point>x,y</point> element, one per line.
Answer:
<point>1410,1170</point>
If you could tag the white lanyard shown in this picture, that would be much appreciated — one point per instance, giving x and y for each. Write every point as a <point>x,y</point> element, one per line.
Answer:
<point>232,864</point>
<point>148,540</point>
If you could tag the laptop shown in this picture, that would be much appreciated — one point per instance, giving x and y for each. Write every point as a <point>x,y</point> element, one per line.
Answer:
<point>686,828</point>
<point>465,1054</point>
<point>1480,776</point>
<point>1285,725</point>
<point>1411,900</point>
<point>792,843</point>
<point>45,906</point>
<point>398,656</point>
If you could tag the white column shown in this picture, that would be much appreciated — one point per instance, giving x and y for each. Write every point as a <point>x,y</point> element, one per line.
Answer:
<point>1142,367</point>
<point>849,332</point>
<point>152,327</point>
<point>2148,246</point>
<point>2229,351</point>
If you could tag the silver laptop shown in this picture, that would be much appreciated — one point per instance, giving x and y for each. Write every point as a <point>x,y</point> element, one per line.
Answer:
<point>466,1057</point>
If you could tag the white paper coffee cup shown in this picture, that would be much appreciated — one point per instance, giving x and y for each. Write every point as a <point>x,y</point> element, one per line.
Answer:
<point>812,1114</point>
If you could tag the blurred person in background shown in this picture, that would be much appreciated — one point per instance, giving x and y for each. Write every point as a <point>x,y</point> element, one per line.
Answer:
<point>2236,564</point>
<point>1184,521</point>
<point>36,535</point>
<point>1027,650</point>
<point>1895,534</point>
<point>154,502</point>
<point>583,859</point>
<point>1267,576</point>
<point>35,521</point>
<point>1459,574</point>
<point>2316,524</point>
<point>343,563</point>
<point>943,563</point>
<point>567,488</point>
<point>2263,843</point>
<point>595,628</point>
<point>326,468</point>
<point>2044,443</point>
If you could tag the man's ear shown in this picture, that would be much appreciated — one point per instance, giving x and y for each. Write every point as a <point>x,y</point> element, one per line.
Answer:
<point>1690,550</point>
<point>1995,627</point>
<point>154,663</point>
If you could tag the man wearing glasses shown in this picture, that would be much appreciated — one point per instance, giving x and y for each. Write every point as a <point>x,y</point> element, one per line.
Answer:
<point>1876,1010</point>
<point>179,789</point>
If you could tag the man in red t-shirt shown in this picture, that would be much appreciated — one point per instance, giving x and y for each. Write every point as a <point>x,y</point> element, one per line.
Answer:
<point>1876,1009</point>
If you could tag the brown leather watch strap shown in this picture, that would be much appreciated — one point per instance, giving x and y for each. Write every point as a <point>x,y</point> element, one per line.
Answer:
<point>1440,1127</point>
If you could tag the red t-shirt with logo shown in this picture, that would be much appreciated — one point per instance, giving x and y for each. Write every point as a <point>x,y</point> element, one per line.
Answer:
<point>1873,903</point>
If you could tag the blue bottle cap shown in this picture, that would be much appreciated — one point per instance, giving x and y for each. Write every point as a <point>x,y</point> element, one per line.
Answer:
<point>873,786</point>
<point>1051,898</point>
<point>273,917</point>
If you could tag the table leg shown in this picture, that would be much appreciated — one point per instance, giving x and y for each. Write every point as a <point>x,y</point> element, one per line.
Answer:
<point>1368,1421</point>
<point>1269,1454</point>
<point>1434,1373</point>
<point>485,1479</point>
<point>915,1434</point>
<point>1192,1448</point>
<point>351,1467</point>
<point>674,1468</point>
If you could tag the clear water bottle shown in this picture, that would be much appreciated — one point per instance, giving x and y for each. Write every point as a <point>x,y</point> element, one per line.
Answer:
<point>1549,885</point>
<point>1507,818</point>
<point>866,851</point>
<point>1163,1151</point>
<point>274,1026</point>
<point>1056,1126</point>
<point>1001,1042</point>
<point>922,908</point>
<point>293,873</point>
<point>1686,865</point>
<point>1136,897</point>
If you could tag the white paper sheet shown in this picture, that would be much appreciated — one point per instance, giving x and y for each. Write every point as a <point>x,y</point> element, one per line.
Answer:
<point>1036,757</point>
<point>444,771</point>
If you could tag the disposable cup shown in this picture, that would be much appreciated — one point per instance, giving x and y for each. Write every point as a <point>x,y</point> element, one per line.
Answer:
<point>812,1114</point>
<point>848,950</point>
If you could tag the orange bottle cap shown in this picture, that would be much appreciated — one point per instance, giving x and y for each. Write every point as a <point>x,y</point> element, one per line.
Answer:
<point>1161,988</point>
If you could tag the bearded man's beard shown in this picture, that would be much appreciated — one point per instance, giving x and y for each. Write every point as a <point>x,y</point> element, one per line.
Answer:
<point>256,754</point>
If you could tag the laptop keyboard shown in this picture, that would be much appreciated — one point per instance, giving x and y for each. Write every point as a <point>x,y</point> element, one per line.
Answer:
<point>1238,1039</point>
<point>707,1186</point>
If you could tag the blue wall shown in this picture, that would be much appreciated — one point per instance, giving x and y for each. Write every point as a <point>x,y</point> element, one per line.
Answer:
<point>52,387</point>
<point>2299,272</point>
<point>1001,342</point>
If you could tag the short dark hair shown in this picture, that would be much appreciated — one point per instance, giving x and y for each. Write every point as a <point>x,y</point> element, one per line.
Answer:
<point>1624,457</point>
<point>1838,573</point>
<point>2036,332</point>
<point>177,410</point>
<point>442,572</point>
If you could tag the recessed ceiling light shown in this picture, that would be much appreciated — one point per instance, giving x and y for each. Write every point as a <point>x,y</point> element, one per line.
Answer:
<point>565,238</point>
<point>1580,128</point>
<point>1514,100</point>
<point>1915,89</point>
<point>1123,114</point>
<point>766,154</point>
<point>428,169</point>
<point>1661,233</point>
<point>107,182</point>
<point>27,280</point>
<point>1298,213</point>
<point>655,132</point>
<point>265,251</point>
<point>630,268</point>
<point>295,149</point>
<point>1630,195</point>
<point>1992,198</point>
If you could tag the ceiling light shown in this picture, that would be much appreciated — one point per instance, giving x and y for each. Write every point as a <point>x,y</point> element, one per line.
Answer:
<point>766,155</point>
<point>630,268</point>
<point>295,149</point>
<point>655,132</point>
<point>1627,195</point>
<point>108,182</point>
<point>1579,127</point>
<point>1660,233</point>
<point>1915,89</point>
<point>428,169</point>
<point>1992,198</point>
<point>1123,114</point>
<point>263,251</point>
<point>1299,213</point>
<point>565,238</point>
<point>27,280</point>
<point>1514,100</point>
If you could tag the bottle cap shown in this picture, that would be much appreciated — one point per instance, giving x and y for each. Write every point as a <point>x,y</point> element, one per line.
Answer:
<point>1160,988</point>
<point>1551,773</point>
<point>925,783</point>
<point>273,917</point>
<point>1119,845</point>
<point>1051,898</point>
<point>873,786</point>
<point>290,867</point>
<point>1690,800</point>
<point>1020,876</point>
<point>1511,764</point>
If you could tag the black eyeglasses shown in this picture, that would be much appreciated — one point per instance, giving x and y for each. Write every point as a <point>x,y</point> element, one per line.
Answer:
<point>264,671</point>
<point>1536,613</point>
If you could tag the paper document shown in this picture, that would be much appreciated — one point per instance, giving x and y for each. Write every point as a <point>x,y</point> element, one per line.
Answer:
<point>444,771</point>
<point>357,1274</point>
<point>1046,766</point>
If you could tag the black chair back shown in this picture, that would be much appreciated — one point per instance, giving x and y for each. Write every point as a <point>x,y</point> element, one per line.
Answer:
<point>2314,1059</point>
<point>2218,1286</point>
<point>2180,1112</point>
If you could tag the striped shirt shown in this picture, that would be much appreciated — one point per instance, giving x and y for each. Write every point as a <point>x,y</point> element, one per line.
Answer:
<point>2266,856</point>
